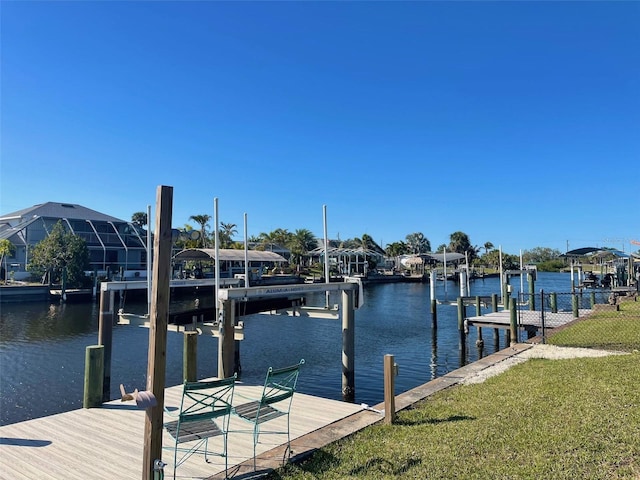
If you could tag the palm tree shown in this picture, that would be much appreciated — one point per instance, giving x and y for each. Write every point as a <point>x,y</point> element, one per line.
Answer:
<point>301,242</point>
<point>487,246</point>
<point>280,236</point>
<point>459,242</point>
<point>139,219</point>
<point>396,249</point>
<point>201,220</point>
<point>226,233</point>
<point>417,243</point>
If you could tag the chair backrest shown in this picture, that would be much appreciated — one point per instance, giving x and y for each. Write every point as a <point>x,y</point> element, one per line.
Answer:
<point>280,383</point>
<point>206,399</point>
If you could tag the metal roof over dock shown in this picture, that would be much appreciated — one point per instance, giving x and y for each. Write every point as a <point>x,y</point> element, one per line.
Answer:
<point>228,255</point>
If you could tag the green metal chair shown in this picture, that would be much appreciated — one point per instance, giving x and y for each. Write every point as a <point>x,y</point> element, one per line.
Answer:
<point>277,395</point>
<point>205,410</point>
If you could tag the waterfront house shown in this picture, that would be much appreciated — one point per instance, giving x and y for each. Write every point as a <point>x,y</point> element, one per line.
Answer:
<point>113,243</point>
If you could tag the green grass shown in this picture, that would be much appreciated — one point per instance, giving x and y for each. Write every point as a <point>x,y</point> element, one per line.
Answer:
<point>605,330</point>
<point>551,419</point>
<point>543,419</point>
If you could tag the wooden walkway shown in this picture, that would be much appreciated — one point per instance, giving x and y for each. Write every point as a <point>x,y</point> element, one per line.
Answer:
<point>526,319</point>
<point>107,442</point>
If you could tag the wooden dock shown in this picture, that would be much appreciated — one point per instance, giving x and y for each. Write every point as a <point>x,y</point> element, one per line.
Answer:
<point>107,442</point>
<point>527,319</point>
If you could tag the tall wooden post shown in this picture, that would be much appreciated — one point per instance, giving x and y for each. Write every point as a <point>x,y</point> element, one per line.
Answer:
<point>105,337</point>
<point>226,343</point>
<point>348,347</point>
<point>389,389</point>
<point>158,318</point>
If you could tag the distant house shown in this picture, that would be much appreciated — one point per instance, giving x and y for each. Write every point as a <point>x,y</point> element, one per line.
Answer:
<point>112,243</point>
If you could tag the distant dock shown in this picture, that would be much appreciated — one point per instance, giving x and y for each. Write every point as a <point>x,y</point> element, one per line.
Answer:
<point>530,321</point>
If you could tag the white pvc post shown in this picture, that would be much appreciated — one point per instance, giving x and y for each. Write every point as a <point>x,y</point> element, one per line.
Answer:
<point>326,252</point>
<point>246,254</point>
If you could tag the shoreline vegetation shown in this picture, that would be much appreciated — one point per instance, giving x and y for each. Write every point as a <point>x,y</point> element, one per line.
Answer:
<point>560,419</point>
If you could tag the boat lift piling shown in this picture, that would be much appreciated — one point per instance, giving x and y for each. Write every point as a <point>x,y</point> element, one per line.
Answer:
<point>434,301</point>
<point>228,297</point>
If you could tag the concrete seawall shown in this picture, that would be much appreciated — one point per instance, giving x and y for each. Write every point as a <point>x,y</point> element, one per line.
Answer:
<point>24,293</point>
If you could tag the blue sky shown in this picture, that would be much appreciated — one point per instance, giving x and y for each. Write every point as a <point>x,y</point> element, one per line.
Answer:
<point>517,123</point>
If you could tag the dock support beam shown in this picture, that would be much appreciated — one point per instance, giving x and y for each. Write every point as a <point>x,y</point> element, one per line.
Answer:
<point>479,341</point>
<point>105,338</point>
<point>462,332</point>
<point>348,347</point>
<point>226,342</point>
<point>532,292</point>
<point>434,301</point>
<point>190,357</point>
<point>513,327</point>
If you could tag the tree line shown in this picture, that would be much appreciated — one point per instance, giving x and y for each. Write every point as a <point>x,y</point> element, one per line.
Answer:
<point>62,252</point>
<point>302,241</point>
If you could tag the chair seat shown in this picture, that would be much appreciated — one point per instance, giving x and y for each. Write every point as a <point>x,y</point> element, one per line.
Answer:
<point>190,431</point>
<point>249,411</point>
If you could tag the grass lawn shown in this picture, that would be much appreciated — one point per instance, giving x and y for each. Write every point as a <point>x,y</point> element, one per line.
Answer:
<point>542,419</point>
<point>604,330</point>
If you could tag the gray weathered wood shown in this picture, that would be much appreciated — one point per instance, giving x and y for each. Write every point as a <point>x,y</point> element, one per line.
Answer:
<point>159,316</point>
<point>107,442</point>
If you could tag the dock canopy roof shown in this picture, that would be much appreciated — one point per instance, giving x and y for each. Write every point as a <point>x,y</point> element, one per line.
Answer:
<point>228,255</point>
<point>582,252</point>
<point>440,257</point>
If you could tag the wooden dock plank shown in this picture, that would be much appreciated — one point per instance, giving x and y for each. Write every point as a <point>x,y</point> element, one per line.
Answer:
<point>526,318</point>
<point>107,442</point>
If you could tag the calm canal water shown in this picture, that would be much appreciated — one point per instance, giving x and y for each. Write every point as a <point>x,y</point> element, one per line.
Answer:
<point>42,346</point>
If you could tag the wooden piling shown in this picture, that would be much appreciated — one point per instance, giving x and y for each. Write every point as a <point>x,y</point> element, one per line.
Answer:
<point>479,341</point>
<point>434,314</point>
<point>460,314</point>
<point>532,291</point>
<point>348,346</point>
<point>158,319</point>
<point>389,390</point>
<point>494,302</point>
<point>226,347</point>
<point>574,305</point>
<point>553,301</point>
<point>513,327</point>
<point>592,299</point>
<point>190,357</point>
<point>105,337</point>
<point>93,376</point>
<point>434,301</point>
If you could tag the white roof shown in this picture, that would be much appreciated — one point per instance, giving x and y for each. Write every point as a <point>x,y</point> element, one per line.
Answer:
<point>228,255</point>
